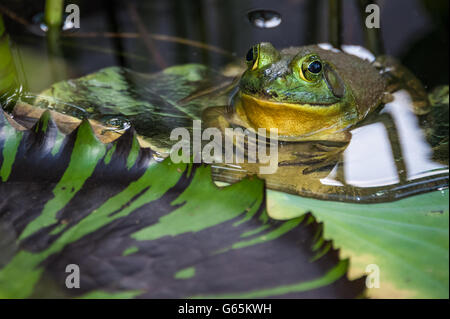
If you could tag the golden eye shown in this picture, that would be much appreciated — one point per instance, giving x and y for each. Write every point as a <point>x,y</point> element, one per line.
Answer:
<point>311,69</point>
<point>252,57</point>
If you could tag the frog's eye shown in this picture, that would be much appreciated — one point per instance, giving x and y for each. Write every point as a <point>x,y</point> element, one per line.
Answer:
<point>252,57</point>
<point>262,55</point>
<point>311,68</point>
<point>315,67</point>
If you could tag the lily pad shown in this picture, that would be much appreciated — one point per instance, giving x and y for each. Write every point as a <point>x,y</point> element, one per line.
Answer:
<point>407,239</point>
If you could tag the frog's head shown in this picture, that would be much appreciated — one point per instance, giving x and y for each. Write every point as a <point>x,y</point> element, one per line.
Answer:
<point>297,90</point>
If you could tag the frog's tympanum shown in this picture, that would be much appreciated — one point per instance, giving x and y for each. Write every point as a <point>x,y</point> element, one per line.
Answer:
<point>306,90</point>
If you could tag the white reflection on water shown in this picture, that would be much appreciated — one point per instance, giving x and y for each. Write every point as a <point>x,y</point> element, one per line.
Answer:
<point>356,50</point>
<point>330,180</point>
<point>415,149</point>
<point>368,160</point>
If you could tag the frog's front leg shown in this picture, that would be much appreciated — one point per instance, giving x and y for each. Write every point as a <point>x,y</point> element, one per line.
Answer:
<point>315,155</point>
<point>310,155</point>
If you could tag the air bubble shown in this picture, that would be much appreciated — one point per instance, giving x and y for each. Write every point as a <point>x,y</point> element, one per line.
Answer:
<point>39,24</point>
<point>264,19</point>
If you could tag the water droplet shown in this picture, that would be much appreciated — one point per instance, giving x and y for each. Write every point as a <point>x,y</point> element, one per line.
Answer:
<point>39,27</point>
<point>264,18</point>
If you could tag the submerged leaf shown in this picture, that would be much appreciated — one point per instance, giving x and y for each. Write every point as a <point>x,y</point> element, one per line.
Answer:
<point>153,103</point>
<point>136,227</point>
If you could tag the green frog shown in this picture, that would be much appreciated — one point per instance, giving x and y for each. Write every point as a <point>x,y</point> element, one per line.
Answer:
<point>306,90</point>
<point>314,94</point>
<point>311,92</point>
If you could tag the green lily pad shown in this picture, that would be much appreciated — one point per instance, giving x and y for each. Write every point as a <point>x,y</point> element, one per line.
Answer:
<point>407,239</point>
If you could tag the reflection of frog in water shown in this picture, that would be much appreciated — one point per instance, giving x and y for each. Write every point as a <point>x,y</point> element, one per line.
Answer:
<point>310,94</point>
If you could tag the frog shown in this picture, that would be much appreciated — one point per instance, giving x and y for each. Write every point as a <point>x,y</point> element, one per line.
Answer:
<point>316,94</point>
<point>307,91</point>
<point>315,97</point>
<point>312,94</point>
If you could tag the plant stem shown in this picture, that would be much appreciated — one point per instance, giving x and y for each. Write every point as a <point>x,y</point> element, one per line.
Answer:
<point>53,13</point>
<point>2,26</point>
<point>53,20</point>
<point>9,86</point>
<point>334,23</point>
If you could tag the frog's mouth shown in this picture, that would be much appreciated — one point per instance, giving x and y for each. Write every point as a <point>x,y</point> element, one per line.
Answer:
<point>321,107</point>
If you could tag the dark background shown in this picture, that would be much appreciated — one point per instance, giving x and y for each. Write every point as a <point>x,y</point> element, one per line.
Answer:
<point>414,31</point>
